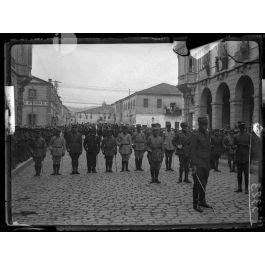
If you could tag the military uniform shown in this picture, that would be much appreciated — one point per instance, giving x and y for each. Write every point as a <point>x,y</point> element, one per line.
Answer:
<point>74,147</point>
<point>139,146</point>
<point>216,150</point>
<point>229,146</point>
<point>39,149</point>
<point>124,142</point>
<point>242,143</point>
<point>109,149</point>
<point>168,138</point>
<point>92,147</point>
<point>200,156</point>
<point>57,148</point>
<point>155,148</point>
<point>182,145</point>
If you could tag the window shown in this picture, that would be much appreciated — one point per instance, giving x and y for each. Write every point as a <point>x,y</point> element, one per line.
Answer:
<point>32,93</point>
<point>145,102</point>
<point>191,64</point>
<point>159,103</point>
<point>32,119</point>
<point>172,105</point>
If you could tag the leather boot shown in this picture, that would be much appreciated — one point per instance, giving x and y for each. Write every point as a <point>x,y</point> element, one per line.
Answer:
<point>180,175</point>
<point>127,166</point>
<point>136,164</point>
<point>152,175</point>
<point>140,164</point>
<point>54,170</point>
<point>58,168</point>
<point>197,208</point>
<point>187,177</point>
<point>122,164</point>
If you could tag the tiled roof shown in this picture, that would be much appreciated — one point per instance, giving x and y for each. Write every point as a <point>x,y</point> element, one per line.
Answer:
<point>160,89</point>
<point>98,109</point>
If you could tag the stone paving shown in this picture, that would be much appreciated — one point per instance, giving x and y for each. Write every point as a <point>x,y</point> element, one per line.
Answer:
<point>122,198</point>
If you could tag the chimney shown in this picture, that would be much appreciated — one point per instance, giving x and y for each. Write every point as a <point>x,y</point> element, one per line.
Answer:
<point>50,80</point>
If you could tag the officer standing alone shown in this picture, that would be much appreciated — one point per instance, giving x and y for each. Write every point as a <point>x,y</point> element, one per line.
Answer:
<point>200,156</point>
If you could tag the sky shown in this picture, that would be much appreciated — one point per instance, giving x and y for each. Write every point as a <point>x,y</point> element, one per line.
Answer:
<point>93,73</point>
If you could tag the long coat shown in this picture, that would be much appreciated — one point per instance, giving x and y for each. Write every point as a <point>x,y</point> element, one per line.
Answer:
<point>155,148</point>
<point>139,141</point>
<point>242,141</point>
<point>182,143</point>
<point>39,148</point>
<point>74,143</point>
<point>57,146</point>
<point>201,150</point>
<point>125,144</point>
<point>168,138</point>
<point>109,146</point>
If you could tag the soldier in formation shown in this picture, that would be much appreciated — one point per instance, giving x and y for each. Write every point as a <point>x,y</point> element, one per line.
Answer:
<point>182,147</point>
<point>109,149</point>
<point>139,146</point>
<point>155,149</point>
<point>92,147</point>
<point>74,148</point>
<point>216,149</point>
<point>200,156</point>
<point>229,147</point>
<point>39,149</point>
<point>124,142</point>
<point>168,146</point>
<point>57,148</point>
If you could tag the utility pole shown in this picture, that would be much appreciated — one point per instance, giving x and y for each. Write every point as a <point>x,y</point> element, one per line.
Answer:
<point>130,106</point>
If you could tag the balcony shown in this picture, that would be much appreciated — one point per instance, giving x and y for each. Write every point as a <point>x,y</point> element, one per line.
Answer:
<point>172,111</point>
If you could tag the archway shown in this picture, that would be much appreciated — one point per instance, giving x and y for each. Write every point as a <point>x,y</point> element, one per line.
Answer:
<point>245,94</point>
<point>206,105</point>
<point>223,98</point>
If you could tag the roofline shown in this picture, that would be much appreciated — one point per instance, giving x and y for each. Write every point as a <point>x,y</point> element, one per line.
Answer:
<point>44,81</point>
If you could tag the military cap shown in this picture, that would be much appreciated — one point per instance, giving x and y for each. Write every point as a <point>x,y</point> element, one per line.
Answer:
<point>183,124</point>
<point>138,125</point>
<point>241,123</point>
<point>156,126</point>
<point>203,120</point>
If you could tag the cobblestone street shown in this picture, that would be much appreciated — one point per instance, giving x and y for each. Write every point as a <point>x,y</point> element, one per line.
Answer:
<point>122,198</point>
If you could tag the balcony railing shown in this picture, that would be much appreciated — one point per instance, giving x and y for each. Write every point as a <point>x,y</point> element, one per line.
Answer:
<point>174,111</point>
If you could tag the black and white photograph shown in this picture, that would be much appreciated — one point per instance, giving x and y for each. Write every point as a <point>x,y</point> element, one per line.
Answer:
<point>141,133</point>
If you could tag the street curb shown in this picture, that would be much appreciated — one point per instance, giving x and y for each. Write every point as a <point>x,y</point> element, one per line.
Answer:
<point>21,166</point>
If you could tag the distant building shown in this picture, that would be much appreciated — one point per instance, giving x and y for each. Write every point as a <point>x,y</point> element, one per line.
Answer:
<point>158,104</point>
<point>223,83</point>
<point>66,116</point>
<point>21,64</point>
<point>42,104</point>
<point>102,114</point>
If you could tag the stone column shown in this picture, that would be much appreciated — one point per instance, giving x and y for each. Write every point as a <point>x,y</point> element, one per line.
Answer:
<point>235,112</point>
<point>256,111</point>
<point>217,115</point>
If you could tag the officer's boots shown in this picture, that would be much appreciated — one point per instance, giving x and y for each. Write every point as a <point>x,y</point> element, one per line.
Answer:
<point>239,180</point>
<point>140,164</point>
<point>123,166</point>
<point>136,164</point>
<point>54,170</point>
<point>197,208</point>
<point>187,176</point>
<point>156,176</point>
<point>180,174</point>
<point>57,169</point>
<point>152,175</point>
<point>127,166</point>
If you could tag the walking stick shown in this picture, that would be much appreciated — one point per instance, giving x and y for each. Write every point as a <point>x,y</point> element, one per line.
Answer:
<point>204,192</point>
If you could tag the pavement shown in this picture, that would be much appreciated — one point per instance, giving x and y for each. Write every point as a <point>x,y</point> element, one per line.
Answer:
<point>125,198</point>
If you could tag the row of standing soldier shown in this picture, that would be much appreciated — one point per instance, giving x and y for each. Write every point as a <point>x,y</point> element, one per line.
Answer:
<point>193,148</point>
